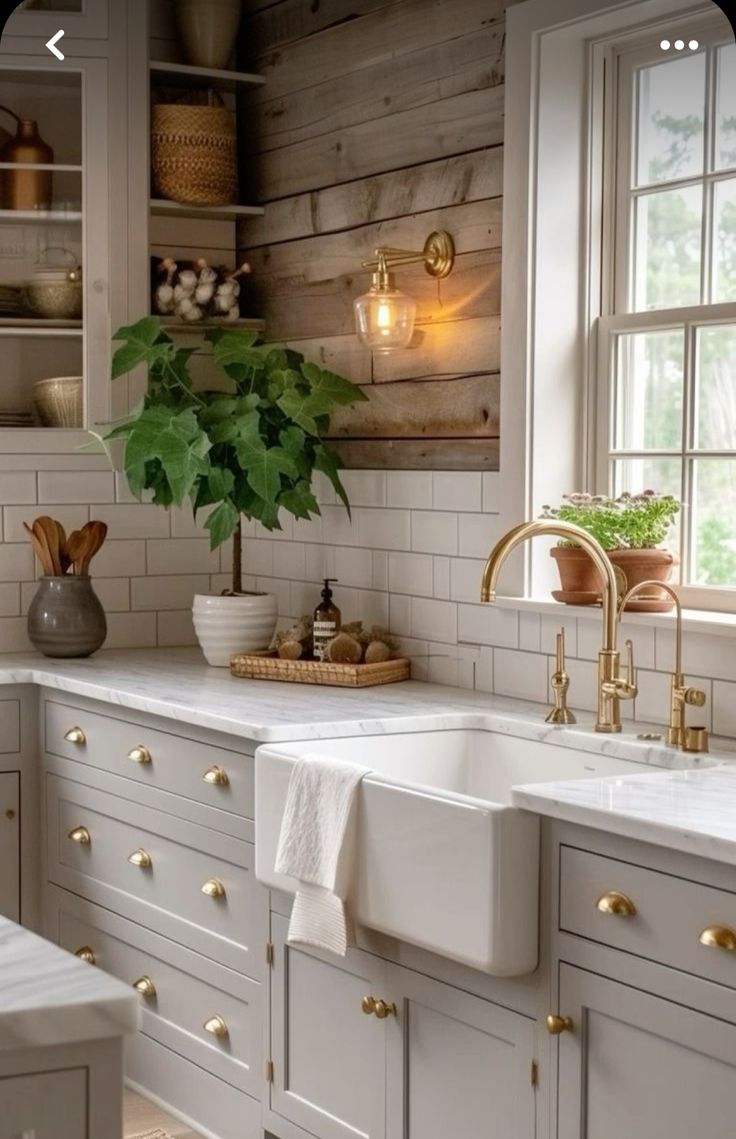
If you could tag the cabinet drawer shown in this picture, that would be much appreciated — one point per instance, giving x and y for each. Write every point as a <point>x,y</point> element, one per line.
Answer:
<point>183,992</point>
<point>188,882</point>
<point>44,1105</point>
<point>670,917</point>
<point>198,771</point>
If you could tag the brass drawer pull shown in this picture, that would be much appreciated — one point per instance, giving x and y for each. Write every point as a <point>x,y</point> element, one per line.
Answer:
<point>81,836</point>
<point>214,888</point>
<point>216,1027</point>
<point>382,1009</point>
<point>140,754</point>
<point>85,953</point>
<point>146,988</point>
<point>558,1024</point>
<point>216,776</point>
<point>718,937</point>
<point>140,858</point>
<point>616,903</point>
<point>75,736</point>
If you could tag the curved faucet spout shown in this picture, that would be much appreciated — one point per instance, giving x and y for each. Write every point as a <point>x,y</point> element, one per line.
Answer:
<point>678,612</point>
<point>553,528</point>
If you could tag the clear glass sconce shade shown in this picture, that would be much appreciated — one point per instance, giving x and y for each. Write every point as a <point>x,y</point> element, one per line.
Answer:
<point>384,318</point>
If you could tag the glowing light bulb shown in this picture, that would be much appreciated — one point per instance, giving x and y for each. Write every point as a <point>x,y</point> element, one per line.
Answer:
<point>679,45</point>
<point>665,45</point>
<point>693,45</point>
<point>383,316</point>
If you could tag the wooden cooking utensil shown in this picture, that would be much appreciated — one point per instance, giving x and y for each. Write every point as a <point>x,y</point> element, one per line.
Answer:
<point>41,550</point>
<point>61,536</point>
<point>76,545</point>
<point>96,533</point>
<point>46,526</point>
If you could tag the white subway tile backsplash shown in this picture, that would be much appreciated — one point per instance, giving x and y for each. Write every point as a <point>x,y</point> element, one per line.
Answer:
<point>530,632</point>
<point>337,528</point>
<point>434,532</point>
<point>17,487</point>
<point>14,635</point>
<point>16,563</point>
<point>400,614</point>
<point>181,556</point>
<point>724,708</point>
<point>701,654</point>
<point>442,577</point>
<point>653,699</point>
<point>171,592</point>
<point>184,524</point>
<point>114,593</point>
<point>491,492</point>
<point>433,620</point>
<point>465,578</point>
<point>257,556</point>
<point>10,599</point>
<point>523,675</point>
<point>134,521</point>
<point>71,518</point>
<point>289,560</point>
<point>551,625</point>
<point>457,490</point>
<point>176,628</point>
<point>478,534</point>
<point>590,634</point>
<point>131,631</point>
<point>383,529</point>
<point>488,625</point>
<point>351,565</point>
<point>410,488</point>
<point>411,573</point>
<point>379,575</point>
<point>365,488</point>
<point>120,559</point>
<point>76,486</point>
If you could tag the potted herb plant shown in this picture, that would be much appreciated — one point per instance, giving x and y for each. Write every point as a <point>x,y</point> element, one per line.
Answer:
<point>630,529</point>
<point>249,450</point>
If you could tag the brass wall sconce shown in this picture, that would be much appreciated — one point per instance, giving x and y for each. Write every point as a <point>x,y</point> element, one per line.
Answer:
<point>384,316</point>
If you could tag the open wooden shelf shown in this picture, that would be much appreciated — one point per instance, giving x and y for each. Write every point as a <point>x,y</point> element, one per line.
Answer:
<point>29,326</point>
<point>182,326</point>
<point>160,207</point>
<point>182,74</point>
<point>57,167</point>
<point>40,217</point>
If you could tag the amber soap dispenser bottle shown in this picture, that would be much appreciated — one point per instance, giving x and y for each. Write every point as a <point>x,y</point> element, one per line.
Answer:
<point>327,618</point>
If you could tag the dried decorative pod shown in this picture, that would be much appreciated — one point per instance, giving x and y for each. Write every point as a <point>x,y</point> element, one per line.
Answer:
<point>377,652</point>
<point>343,649</point>
<point>291,650</point>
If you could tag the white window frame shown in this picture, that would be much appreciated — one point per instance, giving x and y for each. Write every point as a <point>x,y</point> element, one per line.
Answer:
<point>555,227</point>
<point>617,319</point>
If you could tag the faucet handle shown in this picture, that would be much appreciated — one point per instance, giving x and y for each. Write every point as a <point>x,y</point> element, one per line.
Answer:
<point>630,671</point>
<point>694,697</point>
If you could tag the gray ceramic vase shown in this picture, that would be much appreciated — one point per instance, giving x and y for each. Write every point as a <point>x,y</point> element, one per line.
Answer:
<point>66,618</point>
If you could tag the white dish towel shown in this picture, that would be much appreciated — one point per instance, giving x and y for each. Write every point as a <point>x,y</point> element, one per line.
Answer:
<point>316,847</point>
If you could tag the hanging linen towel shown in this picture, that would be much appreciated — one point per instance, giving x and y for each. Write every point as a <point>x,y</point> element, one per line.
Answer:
<point>315,847</point>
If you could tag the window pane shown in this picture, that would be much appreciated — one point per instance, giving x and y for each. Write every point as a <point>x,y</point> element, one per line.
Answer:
<point>649,383</point>
<point>724,236</point>
<point>726,107</point>
<point>714,522</point>
<point>661,475</point>
<point>715,388</point>
<point>667,248</point>
<point>671,114</point>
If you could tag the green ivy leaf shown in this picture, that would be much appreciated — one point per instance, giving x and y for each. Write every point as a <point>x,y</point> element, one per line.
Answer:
<point>330,463</point>
<point>330,387</point>
<point>292,439</point>
<point>301,408</point>
<point>264,467</point>
<point>222,523</point>
<point>299,500</point>
<point>144,343</point>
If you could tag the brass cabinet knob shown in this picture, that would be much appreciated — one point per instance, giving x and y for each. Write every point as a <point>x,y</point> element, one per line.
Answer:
<point>140,754</point>
<point>614,902</point>
<point>145,986</point>
<point>379,1008</point>
<point>718,937</point>
<point>141,858</point>
<point>558,1024</point>
<point>75,736</point>
<point>86,953</point>
<point>216,776</point>
<point>216,1026</point>
<point>81,836</point>
<point>214,888</point>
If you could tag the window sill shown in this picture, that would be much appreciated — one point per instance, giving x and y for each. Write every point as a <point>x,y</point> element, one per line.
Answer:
<point>693,620</point>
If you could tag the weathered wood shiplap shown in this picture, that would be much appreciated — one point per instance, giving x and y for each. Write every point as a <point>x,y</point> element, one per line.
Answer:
<point>380,121</point>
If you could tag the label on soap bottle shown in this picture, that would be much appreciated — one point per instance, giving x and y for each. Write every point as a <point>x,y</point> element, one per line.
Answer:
<point>324,631</point>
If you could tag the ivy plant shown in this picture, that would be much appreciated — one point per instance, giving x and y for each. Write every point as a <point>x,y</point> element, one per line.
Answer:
<point>631,521</point>
<point>248,450</point>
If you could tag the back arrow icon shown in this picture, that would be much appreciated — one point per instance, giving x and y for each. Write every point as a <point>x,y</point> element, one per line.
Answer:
<point>51,45</point>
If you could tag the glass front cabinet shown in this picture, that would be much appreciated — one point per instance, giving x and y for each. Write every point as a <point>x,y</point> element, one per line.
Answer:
<point>64,242</point>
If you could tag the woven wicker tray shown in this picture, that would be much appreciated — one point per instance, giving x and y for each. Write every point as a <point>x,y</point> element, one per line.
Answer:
<point>260,666</point>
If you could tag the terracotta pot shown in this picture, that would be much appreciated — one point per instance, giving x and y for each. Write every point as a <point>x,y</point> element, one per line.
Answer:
<point>580,581</point>
<point>646,565</point>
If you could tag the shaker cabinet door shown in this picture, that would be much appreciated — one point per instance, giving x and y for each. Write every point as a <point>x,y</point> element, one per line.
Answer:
<point>44,1105</point>
<point>329,1057</point>
<point>637,1065</point>
<point>10,845</point>
<point>458,1066</point>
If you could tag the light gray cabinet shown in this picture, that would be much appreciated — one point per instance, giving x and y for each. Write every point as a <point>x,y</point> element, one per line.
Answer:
<point>457,1065</point>
<point>10,845</point>
<point>442,1062</point>
<point>635,1064</point>
<point>44,1105</point>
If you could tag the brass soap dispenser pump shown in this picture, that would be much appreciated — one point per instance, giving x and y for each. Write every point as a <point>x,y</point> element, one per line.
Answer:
<point>26,189</point>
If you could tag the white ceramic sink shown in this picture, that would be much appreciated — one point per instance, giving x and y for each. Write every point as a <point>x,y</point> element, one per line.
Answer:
<point>442,859</point>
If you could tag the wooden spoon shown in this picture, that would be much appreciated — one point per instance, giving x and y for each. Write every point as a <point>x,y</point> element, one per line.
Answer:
<point>76,547</point>
<point>46,526</point>
<point>61,536</point>
<point>41,550</point>
<point>95,533</point>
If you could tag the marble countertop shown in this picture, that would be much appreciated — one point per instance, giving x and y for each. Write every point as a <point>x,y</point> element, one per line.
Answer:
<point>48,996</point>
<point>179,685</point>
<point>691,811</point>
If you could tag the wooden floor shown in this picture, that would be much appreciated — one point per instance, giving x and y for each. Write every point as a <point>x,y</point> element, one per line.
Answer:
<point>142,1117</point>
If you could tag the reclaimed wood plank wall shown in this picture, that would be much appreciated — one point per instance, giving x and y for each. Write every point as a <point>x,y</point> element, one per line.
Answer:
<point>380,121</point>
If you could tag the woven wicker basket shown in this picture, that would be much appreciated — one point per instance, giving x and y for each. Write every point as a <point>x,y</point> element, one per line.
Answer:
<point>264,666</point>
<point>194,154</point>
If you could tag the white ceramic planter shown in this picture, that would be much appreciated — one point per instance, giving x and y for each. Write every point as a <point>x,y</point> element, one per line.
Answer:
<point>208,30</point>
<point>227,625</point>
